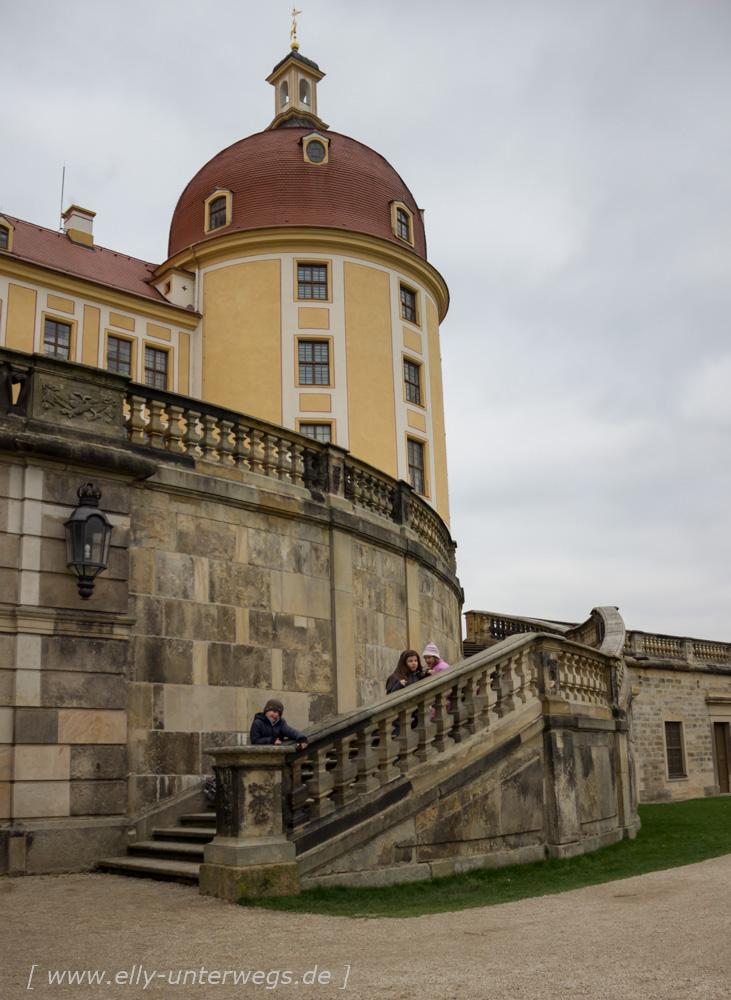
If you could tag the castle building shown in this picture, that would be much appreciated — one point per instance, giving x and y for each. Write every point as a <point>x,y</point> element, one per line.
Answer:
<point>262,413</point>
<point>297,289</point>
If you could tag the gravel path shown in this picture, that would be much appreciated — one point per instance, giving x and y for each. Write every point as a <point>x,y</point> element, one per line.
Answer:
<point>661,936</point>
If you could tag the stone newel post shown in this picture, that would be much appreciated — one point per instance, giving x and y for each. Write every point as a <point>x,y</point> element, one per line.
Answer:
<point>250,854</point>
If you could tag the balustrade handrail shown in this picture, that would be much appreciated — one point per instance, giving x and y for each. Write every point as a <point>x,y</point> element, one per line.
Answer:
<point>656,645</point>
<point>357,753</point>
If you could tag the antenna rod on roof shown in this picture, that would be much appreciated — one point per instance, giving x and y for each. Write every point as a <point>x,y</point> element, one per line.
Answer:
<point>63,181</point>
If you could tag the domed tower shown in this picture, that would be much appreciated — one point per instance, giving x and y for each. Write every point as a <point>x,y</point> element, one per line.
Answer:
<point>320,311</point>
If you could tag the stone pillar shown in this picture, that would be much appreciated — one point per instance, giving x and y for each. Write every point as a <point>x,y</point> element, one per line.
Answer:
<point>343,619</point>
<point>250,854</point>
<point>563,826</point>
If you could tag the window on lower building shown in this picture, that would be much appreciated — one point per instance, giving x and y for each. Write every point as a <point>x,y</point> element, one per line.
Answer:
<point>57,338</point>
<point>4,237</point>
<point>312,281</point>
<point>320,432</point>
<point>403,225</point>
<point>156,368</point>
<point>217,213</point>
<point>314,362</point>
<point>408,304</point>
<point>417,477</point>
<point>412,381</point>
<point>674,749</point>
<point>119,355</point>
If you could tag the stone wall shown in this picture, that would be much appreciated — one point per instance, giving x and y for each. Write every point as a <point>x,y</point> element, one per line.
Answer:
<point>224,587</point>
<point>696,698</point>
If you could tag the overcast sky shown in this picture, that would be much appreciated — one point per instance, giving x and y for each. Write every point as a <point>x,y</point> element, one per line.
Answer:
<point>572,158</point>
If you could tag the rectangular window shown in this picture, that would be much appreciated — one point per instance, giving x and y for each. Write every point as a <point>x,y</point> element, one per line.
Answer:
<point>320,432</point>
<point>156,368</point>
<point>119,355</point>
<point>408,304</point>
<point>217,213</point>
<point>412,381</point>
<point>403,225</point>
<point>416,466</point>
<point>57,339</point>
<point>674,749</point>
<point>314,362</point>
<point>312,281</point>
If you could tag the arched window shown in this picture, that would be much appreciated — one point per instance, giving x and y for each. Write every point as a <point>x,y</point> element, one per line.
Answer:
<point>283,95</point>
<point>304,93</point>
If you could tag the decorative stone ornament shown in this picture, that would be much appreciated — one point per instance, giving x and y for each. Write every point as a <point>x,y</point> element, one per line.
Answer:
<point>88,534</point>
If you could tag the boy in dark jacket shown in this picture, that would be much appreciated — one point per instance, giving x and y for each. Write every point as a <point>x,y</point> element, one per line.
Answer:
<point>269,728</point>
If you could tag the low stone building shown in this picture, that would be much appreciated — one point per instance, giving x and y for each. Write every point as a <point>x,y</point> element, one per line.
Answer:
<point>681,706</point>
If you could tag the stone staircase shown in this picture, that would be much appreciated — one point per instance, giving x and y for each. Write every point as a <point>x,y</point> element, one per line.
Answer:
<point>174,854</point>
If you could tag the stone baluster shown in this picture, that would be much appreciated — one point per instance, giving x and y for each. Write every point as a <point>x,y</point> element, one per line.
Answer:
<point>443,722</point>
<point>425,731</point>
<point>387,750</point>
<point>268,462</point>
<point>156,426</point>
<point>209,444</point>
<point>242,449</point>
<point>406,739</point>
<point>192,436</point>
<point>486,698</point>
<point>367,760</point>
<point>284,461</point>
<point>256,454</point>
<point>225,442</point>
<point>460,711</point>
<point>297,471</point>
<point>296,793</point>
<point>320,785</point>
<point>174,430</point>
<point>137,419</point>
<point>471,706</point>
<point>344,772</point>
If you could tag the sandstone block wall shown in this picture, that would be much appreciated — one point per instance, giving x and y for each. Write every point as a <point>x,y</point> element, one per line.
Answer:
<point>675,693</point>
<point>221,591</point>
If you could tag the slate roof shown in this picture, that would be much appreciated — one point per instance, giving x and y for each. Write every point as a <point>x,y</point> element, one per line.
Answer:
<point>49,248</point>
<point>272,186</point>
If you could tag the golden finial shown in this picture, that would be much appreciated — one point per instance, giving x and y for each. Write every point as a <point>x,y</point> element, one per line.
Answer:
<point>293,33</point>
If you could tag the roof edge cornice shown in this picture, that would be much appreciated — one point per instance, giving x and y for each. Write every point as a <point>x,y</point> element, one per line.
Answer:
<point>322,240</point>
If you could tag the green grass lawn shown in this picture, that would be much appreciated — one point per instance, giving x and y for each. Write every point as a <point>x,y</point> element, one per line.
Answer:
<point>672,834</point>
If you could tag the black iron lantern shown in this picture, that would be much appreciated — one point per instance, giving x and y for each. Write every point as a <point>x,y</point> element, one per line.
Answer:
<point>88,534</point>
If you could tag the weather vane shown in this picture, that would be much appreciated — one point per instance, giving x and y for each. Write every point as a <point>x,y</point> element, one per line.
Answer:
<point>293,33</point>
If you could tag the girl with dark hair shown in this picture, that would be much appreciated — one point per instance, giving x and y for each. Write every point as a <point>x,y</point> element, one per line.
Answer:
<point>408,670</point>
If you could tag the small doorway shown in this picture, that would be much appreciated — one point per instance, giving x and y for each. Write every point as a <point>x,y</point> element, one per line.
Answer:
<point>721,741</point>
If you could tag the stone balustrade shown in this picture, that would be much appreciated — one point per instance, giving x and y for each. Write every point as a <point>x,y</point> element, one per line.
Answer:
<point>646,645</point>
<point>352,757</point>
<point>110,405</point>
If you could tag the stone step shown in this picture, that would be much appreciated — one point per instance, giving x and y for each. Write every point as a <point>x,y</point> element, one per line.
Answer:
<point>199,819</point>
<point>204,833</point>
<point>157,868</point>
<point>170,849</point>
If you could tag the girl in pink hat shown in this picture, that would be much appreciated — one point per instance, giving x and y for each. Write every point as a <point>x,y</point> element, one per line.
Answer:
<point>434,662</point>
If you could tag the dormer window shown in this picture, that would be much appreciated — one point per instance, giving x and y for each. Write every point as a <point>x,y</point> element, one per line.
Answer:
<point>218,209</point>
<point>6,235</point>
<point>402,222</point>
<point>217,213</point>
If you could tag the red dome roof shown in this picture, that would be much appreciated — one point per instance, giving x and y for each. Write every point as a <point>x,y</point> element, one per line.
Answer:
<point>272,185</point>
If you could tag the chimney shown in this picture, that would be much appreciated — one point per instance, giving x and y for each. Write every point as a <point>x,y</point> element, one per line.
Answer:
<point>78,224</point>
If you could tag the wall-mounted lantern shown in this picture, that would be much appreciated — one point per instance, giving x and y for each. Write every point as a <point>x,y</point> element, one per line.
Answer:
<point>88,534</point>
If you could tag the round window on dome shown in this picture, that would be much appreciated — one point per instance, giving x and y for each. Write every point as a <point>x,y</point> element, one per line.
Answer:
<point>316,151</point>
